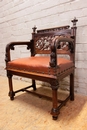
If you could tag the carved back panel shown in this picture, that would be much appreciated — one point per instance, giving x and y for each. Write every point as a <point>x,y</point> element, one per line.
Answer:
<point>44,38</point>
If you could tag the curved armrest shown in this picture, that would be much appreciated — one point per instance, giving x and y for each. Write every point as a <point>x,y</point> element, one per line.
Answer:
<point>69,41</point>
<point>54,46</point>
<point>11,45</point>
<point>64,39</point>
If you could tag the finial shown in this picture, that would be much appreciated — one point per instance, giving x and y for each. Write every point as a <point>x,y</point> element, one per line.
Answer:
<point>34,29</point>
<point>74,21</point>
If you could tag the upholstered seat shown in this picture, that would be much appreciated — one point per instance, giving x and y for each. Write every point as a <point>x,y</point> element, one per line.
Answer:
<point>40,64</point>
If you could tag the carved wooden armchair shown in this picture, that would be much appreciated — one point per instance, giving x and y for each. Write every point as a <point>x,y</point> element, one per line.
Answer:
<point>47,68</point>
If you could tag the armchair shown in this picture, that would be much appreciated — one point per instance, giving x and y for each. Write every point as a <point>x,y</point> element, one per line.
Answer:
<point>48,68</point>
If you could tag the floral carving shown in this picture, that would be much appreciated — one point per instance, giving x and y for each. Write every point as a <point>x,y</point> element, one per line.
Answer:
<point>44,43</point>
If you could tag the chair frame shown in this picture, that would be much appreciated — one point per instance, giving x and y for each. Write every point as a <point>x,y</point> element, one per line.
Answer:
<point>54,82</point>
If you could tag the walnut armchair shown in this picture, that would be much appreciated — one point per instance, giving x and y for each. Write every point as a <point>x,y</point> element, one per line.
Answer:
<point>48,68</point>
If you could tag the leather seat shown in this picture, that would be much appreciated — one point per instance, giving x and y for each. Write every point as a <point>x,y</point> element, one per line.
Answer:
<point>39,64</point>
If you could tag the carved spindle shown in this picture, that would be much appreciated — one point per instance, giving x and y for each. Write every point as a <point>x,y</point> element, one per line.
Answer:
<point>73,34</point>
<point>34,29</point>
<point>74,22</point>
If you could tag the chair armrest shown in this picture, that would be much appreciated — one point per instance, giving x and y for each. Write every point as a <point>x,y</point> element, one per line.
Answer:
<point>10,46</point>
<point>54,47</point>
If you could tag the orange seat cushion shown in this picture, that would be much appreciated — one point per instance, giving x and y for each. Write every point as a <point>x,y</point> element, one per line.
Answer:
<point>40,64</point>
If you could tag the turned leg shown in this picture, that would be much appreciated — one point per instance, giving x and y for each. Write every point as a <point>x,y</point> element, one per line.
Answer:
<point>54,110</point>
<point>11,92</point>
<point>33,84</point>
<point>72,87</point>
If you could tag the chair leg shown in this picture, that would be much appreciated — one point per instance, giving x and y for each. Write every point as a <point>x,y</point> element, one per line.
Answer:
<point>54,110</point>
<point>72,87</point>
<point>34,85</point>
<point>11,92</point>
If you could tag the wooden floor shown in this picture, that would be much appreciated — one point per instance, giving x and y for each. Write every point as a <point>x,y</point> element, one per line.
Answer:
<point>28,112</point>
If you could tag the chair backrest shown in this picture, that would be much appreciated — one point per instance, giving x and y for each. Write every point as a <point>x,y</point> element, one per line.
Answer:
<point>44,38</point>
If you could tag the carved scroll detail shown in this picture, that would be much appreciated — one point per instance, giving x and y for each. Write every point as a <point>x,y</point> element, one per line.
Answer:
<point>44,43</point>
<point>11,46</point>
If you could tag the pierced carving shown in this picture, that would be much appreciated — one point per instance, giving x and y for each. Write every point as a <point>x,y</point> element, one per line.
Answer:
<point>64,43</point>
<point>43,43</point>
<point>53,43</point>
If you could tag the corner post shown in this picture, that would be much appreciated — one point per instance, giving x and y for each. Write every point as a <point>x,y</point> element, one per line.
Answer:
<point>74,21</point>
<point>33,54</point>
<point>34,31</point>
<point>33,44</point>
<point>73,34</point>
<point>11,92</point>
<point>54,110</point>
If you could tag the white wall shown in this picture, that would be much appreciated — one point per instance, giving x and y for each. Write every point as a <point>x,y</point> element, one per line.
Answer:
<point>17,17</point>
